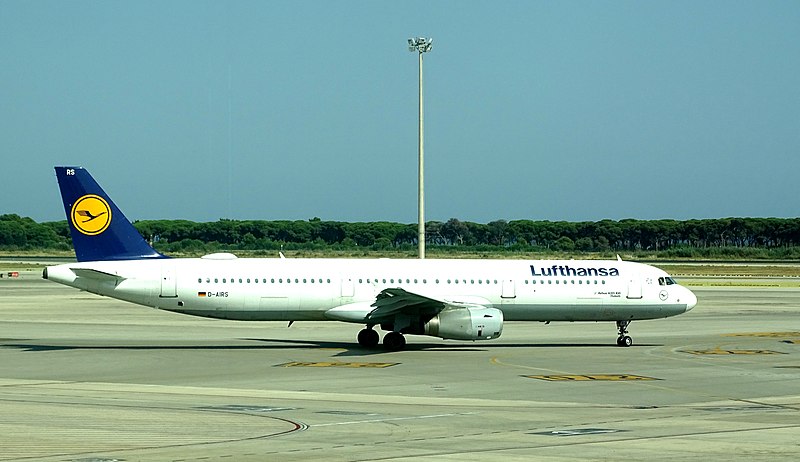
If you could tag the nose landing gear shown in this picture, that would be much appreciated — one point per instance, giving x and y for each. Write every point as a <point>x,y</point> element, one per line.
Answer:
<point>623,340</point>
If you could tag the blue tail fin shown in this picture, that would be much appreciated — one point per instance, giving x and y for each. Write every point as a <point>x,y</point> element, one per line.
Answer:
<point>99,229</point>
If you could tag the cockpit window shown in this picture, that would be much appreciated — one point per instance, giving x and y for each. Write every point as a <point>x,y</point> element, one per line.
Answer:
<point>666,281</point>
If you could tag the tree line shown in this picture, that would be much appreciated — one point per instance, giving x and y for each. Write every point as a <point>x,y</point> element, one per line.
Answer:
<point>744,237</point>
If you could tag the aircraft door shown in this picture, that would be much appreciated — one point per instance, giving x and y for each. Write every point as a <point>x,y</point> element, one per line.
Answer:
<point>634,288</point>
<point>348,288</point>
<point>168,282</point>
<point>509,290</point>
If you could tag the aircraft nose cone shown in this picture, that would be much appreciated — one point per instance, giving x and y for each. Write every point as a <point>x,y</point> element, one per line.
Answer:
<point>691,300</point>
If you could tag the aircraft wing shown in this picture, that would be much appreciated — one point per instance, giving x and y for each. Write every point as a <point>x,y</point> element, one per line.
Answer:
<point>394,302</point>
<point>391,302</point>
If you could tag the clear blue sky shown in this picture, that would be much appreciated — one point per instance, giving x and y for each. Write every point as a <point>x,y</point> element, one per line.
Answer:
<point>558,110</point>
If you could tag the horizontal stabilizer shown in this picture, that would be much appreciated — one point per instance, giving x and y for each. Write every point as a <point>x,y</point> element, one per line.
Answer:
<point>97,275</point>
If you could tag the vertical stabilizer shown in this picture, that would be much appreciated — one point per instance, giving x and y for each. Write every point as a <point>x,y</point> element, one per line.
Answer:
<point>99,229</point>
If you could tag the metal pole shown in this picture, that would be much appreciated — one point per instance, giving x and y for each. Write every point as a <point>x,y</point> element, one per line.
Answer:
<point>421,191</point>
<point>421,45</point>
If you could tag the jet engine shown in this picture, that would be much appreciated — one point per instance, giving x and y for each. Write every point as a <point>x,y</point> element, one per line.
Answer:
<point>471,322</point>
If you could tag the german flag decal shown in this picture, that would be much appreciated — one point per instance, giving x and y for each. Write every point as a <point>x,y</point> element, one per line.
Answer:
<point>201,294</point>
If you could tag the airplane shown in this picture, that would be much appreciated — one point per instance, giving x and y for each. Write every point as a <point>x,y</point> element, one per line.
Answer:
<point>449,299</point>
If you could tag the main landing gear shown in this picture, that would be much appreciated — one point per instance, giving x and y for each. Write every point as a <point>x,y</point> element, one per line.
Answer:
<point>623,340</point>
<point>368,338</point>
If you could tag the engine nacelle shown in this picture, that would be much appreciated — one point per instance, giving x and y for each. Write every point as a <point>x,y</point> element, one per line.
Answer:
<point>466,323</point>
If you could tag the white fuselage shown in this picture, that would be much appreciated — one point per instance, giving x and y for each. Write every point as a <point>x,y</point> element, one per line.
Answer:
<point>267,289</point>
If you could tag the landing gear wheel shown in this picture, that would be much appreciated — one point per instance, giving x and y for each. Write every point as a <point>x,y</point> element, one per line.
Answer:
<point>394,341</point>
<point>623,340</point>
<point>368,338</point>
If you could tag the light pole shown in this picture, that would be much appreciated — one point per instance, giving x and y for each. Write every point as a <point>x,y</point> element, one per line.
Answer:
<point>421,45</point>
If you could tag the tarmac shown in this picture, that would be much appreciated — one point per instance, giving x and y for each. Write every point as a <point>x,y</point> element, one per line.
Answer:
<point>87,378</point>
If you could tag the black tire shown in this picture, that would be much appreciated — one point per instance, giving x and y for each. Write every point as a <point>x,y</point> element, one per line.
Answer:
<point>368,338</point>
<point>394,341</point>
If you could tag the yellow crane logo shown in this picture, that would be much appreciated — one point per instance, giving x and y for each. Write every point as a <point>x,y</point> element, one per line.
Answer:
<point>91,215</point>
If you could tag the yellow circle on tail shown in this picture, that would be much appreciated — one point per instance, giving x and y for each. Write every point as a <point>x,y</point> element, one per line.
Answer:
<point>90,215</point>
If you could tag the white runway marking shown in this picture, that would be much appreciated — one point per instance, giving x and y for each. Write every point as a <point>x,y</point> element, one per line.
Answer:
<point>392,419</point>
